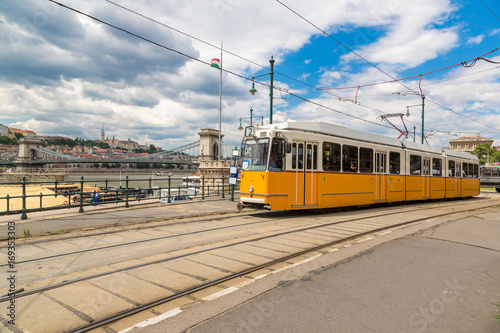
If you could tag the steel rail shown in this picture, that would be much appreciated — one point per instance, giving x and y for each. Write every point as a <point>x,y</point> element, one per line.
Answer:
<point>68,282</point>
<point>147,306</point>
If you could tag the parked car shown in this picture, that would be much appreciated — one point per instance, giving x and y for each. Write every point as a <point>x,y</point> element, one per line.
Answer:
<point>176,198</point>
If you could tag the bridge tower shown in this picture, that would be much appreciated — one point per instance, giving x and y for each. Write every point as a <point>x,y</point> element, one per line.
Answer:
<point>25,153</point>
<point>209,148</point>
<point>209,151</point>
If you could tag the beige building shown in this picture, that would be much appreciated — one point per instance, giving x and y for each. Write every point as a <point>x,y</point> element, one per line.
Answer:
<point>468,144</point>
<point>5,131</point>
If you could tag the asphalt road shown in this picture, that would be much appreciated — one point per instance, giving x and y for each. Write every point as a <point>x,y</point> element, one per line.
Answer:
<point>441,279</point>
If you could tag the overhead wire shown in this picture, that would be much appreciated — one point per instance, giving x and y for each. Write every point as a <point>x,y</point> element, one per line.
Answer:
<point>463,63</point>
<point>491,10</point>
<point>340,43</point>
<point>209,44</point>
<point>201,61</point>
<point>238,56</point>
<point>227,71</point>
<point>367,61</point>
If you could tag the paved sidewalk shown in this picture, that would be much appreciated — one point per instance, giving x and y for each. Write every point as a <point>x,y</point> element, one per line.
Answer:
<point>113,215</point>
<point>442,279</point>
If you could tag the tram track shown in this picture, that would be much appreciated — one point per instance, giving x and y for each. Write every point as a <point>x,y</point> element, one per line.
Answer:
<point>162,237</point>
<point>351,228</point>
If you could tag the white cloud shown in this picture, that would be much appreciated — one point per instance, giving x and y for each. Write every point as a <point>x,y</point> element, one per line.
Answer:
<point>475,40</point>
<point>66,74</point>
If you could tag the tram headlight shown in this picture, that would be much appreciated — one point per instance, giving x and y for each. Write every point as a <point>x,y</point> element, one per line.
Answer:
<point>250,189</point>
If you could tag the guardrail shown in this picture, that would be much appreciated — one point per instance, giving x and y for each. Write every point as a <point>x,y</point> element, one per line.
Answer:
<point>81,194</point>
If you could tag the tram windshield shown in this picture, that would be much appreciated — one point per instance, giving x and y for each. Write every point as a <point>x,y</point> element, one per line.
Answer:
<point>255,153</point>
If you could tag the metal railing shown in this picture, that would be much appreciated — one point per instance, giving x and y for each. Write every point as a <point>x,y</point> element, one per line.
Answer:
<point>81,194</point>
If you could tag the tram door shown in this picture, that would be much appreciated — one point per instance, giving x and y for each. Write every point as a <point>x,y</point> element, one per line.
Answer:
<point>426,188</point>
<point>458,175</point>
<point>305,174</point>
<point>380,176</point>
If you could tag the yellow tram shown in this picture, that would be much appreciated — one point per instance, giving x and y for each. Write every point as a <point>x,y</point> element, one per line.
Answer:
<point>311,165</point>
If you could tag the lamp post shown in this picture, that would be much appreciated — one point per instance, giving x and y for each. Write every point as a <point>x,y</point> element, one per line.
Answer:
<point>251,119</point>
<point>253,90</point>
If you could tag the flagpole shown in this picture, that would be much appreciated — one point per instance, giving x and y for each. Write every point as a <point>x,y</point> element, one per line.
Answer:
<point>220,102</point>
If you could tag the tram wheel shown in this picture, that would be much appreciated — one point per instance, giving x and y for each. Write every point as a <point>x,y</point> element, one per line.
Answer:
<point>239,206</point>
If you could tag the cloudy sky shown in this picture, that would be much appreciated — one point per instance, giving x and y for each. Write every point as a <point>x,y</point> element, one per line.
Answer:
<point>64,73</point>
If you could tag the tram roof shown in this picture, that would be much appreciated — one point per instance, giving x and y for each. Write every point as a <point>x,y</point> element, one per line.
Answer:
<point>347,133</point>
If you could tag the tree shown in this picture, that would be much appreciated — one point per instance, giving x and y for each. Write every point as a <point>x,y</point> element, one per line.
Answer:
<point>152,149</point>
<point>5,140</point>
<point>19,135</point>
<point>483,151</point>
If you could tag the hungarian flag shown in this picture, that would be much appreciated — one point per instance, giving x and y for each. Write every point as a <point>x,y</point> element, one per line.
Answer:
<point>215,63</point>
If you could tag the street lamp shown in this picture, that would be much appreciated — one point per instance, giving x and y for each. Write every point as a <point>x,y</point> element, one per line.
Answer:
<point>253,90</point>
<point>251,119</point>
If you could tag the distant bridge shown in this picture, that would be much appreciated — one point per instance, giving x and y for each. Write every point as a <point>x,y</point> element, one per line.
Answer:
<point>30,152</point>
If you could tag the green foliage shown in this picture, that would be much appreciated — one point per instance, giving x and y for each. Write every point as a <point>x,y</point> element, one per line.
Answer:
<point>64,142</point>
<point>95,165</point>
<point>483,151</point>
<point>143,166</point>
<point>152,149</point>
<point>5,140</point>
<point>18,135</point>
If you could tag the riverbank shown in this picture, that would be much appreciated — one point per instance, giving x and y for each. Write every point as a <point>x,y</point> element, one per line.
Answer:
<point>124,171</point>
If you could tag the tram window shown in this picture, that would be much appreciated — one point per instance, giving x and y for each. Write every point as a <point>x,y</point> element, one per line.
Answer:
<point>451,168</point>
<point>476,171</point>
<point>309,157</point>
<point>415,165</point>
<point>277,156</point>
<point>349,158</point>
<point>300,164</point>
<point>365,160</point>
<point>315,157</point>
<point>331,156</point>
<point>471,170</point>
<point>465,170</point>
<point>394,162</point>
<point>294,156</point>
<point>437,166</point>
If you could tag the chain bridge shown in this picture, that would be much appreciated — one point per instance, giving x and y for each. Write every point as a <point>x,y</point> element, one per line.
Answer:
<point>31,153</point>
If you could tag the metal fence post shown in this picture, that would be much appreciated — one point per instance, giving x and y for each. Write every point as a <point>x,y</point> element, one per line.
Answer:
<point>8,199</point>
<point>41,197</point>
<point>81,196</point>
<point>168,193</point>
<point>126,192</point>
<point>223,187</point>
<point>23,215</point>
<point>203,187</point>
<point>55,187</point>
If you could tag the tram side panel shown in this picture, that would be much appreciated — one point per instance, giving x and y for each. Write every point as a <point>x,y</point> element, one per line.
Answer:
<point>266,188</point>
<point>396,188</point>
<point>346,189</point>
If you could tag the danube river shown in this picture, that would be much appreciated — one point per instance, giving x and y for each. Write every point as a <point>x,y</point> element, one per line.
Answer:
<point>134,180</point>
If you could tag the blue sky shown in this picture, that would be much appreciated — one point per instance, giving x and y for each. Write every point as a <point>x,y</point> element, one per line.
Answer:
<point>62,73</point>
